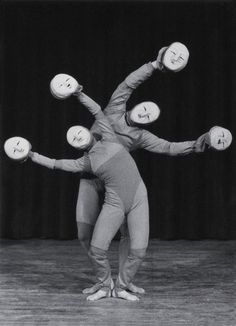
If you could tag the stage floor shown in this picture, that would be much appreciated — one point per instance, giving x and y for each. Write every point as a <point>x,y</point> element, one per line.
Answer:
<point>186,282</point>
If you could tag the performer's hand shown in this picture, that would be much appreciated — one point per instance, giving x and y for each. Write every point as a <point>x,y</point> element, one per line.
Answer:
<point>158,63</point>
<point>78,90</point>
<point>201,143</point>
<point>31,154</point>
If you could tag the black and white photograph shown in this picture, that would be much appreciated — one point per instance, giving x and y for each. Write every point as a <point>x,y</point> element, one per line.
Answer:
<point>117,163</point>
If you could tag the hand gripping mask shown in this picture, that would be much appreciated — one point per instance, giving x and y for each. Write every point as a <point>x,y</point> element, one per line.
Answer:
<point>176,56</point>
<point>79,137</point>
<point>17,148</point>
<point>144,113</point>
<point>63,86</point>
<point>219,138</point>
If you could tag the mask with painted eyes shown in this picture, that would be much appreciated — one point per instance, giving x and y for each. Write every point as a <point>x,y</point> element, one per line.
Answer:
<point>79,137</point>
<point>219,138</point>
<point>176,56</point>
<point>144,113</point>
<point>17,148</point>
<point>63,86</point>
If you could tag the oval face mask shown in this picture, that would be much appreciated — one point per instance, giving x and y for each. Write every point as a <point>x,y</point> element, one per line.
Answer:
<point>175,57</point>
<point>63,86</point>
<point>17,148</point>
<point>220,138</point>
<point>144,113</point>
<point>79,137</point>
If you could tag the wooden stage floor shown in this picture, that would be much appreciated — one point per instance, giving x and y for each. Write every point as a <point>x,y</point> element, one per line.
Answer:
<point>187,283</point>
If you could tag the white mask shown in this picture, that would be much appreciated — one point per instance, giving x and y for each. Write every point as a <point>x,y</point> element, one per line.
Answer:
<point>175,57</point>
<point>79,137</point>
<point>62,86</point>
<point>220,138</point>
<point>17,148</point>
<point>144,113</point>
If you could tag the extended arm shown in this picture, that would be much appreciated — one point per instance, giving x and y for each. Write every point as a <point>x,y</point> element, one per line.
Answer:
<point>123,92</point>
<point>117,104</point>
<point>101,120</point>
<point>79,165</point>
<point>155,144</point>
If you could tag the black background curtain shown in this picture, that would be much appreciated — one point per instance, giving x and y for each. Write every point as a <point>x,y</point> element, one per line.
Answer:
<point>100,43</point>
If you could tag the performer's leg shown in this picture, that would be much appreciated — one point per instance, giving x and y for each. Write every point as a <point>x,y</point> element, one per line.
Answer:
<point>85,232</point>
<point>108,223</point>
<point>87,210</point>
<point>124,247</point>
<point>138,224</point>
<point>124,244</point>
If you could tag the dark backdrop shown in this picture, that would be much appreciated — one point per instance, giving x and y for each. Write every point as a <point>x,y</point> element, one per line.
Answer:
<point>99,43</point>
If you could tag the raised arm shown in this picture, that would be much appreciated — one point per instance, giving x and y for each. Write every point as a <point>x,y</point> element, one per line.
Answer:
<point>79,165</point>
<point>101,120</point>
<point>154,144</point>
<point>124,90</point>
<point>117,103</point>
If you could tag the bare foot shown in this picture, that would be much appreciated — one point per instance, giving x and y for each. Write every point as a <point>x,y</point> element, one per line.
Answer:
<point>95,288</point>
<point>99,295</point>
<point>135,289</point>
<point>91,289</point>
<point>124,295</point>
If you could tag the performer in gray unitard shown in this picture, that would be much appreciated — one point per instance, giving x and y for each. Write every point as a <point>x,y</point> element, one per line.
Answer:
<point>125,195</point>
<point>132,136</point>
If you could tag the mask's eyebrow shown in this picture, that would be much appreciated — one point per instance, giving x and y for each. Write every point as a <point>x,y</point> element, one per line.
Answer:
<point>145,108</point>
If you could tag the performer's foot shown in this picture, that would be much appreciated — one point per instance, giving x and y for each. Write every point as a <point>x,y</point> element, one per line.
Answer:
<point>91,289</point>
<point>99,295</point>
<point>95,288</point>
<point>124,295</point>
<point>135,289</point>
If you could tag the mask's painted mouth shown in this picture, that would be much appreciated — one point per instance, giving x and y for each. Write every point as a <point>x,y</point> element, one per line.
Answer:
<point>16,149</point>
<point>177,60</point>
<point>144,115</point>
<point>77,138</point>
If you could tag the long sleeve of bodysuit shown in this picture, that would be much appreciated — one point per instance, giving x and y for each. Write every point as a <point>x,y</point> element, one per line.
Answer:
<point>125,89</point>
<point>117,104</point>
<point>80,165</point>
<point>101,120</point>
<point>154,144</point>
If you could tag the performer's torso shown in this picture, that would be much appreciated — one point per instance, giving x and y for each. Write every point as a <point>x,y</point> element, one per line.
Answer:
<point>112,164</point>
<point>128,136</point>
